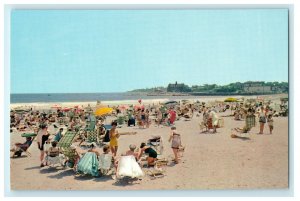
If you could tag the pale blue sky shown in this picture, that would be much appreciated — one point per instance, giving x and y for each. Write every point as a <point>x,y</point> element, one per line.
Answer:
<point>120,50</point>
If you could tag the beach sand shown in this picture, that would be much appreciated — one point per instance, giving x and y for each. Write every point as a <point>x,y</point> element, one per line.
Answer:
<point>210,161</point>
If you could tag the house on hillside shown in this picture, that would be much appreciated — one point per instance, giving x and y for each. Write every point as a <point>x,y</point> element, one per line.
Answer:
<point>178,87</point>
<point>257,87</point>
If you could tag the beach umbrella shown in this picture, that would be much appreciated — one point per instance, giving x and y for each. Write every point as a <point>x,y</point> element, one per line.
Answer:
<point>230,100</point>
<point>123,107</point>
<point>66,109</point>
<point>136,107</point>
<point>103,111</point>
<point>170,102</point>
<point>56,106</point>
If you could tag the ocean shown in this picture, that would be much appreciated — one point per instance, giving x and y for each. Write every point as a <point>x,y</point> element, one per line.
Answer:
<point>86,97</point>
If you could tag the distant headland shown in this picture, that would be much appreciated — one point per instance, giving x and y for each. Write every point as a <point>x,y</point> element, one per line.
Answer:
<point>237,88</point>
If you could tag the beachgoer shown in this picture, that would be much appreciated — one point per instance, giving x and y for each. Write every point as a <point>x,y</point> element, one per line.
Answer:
<point>51,152</point>
<point>172,116</point>
<point>262,120</point>
<point>42,137</point>
<point>132,152</point>
<point>147,118</point>
<point>113,136</point>
<point>20,147</point>
<point>176,142</point>
<point>152,154</point>
<point>93,148</point>
<point>143,118</point>
<point>205,118</point>
<point>58,136</point>
<point>270,122</point>
<point>215,120</point>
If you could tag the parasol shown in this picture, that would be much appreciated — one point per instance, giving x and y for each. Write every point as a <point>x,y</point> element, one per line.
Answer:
<point>56,106</point>
<point>103,111</point>
<point>136,107</point>
<point>230,100</point>
<point>123,107</point>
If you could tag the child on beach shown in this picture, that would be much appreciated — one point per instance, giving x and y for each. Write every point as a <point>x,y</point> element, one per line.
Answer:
<point>270,122</point>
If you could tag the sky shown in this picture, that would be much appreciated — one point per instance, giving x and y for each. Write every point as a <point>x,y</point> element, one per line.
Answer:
<point>77,51</point>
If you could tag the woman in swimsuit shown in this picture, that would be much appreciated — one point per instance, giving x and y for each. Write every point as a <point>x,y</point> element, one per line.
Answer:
<point>148,150</point>
<point>176,142</point>
<point>42,137</point>
<point>113,136</point>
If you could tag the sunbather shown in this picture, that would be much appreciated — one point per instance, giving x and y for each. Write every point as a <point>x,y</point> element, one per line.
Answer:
<point>106,161</point>
<point>131,152</point>
<point>53,155</point>
<point>20,147</point>
<point>152,154</point>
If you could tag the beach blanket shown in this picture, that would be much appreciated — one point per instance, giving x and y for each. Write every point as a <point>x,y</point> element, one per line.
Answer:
<point>88,164</point>
<point>128,167</point>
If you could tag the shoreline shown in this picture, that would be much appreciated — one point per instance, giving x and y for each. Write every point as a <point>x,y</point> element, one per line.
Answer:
<point>133,102</point>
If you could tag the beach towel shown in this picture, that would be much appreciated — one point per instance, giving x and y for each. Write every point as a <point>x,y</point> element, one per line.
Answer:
<point>88,164</point>
<point>128,167</point>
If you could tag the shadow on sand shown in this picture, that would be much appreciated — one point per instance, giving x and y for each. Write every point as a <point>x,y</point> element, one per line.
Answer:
<point>62,174</point>
<point>241,138</point>
<point>33,168</point>
<point>126,182</point>
<point>20,157</point>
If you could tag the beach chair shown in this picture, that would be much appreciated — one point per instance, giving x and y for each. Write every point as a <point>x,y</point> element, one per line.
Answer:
<point>155,172</point>
<point>156,142</point>
<point>106,137</point>
<point>121,120</point>
<point>105,164</point>
<point>90,126</point>
<point>88,165</point>
<point>250,121</point>
<point>65,145</point>
<point>92,136</point>
<point>23,147</point>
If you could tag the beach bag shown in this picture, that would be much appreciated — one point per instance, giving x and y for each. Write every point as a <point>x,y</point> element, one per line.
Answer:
<point>128,167</point>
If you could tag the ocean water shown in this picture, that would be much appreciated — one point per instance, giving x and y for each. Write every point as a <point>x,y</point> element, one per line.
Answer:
<point>85,97</point>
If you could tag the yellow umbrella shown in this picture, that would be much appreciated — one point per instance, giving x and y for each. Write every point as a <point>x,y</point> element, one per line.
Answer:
<point>230,100</point>
<point>103,111</point>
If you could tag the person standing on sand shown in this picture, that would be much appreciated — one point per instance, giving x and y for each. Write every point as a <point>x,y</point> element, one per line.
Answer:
<point>215,120</point>
<point>42,137</point>
<point>147,118</point>
<point>113,136</point>
<point>176,143</point>
<point>270,122</point>
<point>262,120</point>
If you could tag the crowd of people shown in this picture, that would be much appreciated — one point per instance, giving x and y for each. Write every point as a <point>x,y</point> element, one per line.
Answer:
<point>78,119</point>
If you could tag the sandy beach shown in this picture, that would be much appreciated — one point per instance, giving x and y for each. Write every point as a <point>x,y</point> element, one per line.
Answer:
<point>210,161</point>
